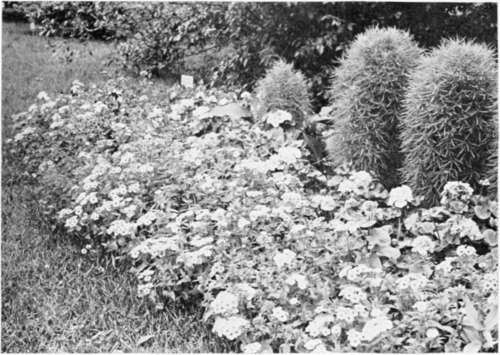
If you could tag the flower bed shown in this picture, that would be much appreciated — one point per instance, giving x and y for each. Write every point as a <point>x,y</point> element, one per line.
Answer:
<point>211,207</point>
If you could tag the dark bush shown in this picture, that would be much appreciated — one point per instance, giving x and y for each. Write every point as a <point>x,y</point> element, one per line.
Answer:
<point>448,124</point>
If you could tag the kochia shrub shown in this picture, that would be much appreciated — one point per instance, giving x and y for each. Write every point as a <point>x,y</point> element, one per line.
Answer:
<point>448,123</point>
<point>283,88</point>
<point>367,93</point>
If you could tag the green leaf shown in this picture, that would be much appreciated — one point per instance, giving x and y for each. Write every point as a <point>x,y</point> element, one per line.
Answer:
<point>490,236</point>
<point>491,320</point>
<point>482,212</point>
<point>389,252</point>
<point>473,347</point>
<point>471,318</point>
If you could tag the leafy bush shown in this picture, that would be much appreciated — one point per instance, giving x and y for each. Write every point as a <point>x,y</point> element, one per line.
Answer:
<point>283,88</point>
<point>83,19</point>
<point>367,93</point>
<point>165,33</point>
<point>213,208</point>
<point>448,123</point>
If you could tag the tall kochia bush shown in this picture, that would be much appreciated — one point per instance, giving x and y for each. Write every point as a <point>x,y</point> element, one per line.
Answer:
<point>448,124</point>
<point>283,88</point>
<point>366,95</point>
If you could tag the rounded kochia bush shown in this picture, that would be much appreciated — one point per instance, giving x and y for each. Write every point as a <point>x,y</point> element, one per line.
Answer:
<point>448,122</point>
<point>367,93</point>
<point>285,89</point>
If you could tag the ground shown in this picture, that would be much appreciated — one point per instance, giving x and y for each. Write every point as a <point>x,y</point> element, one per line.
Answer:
<point>53,297</point>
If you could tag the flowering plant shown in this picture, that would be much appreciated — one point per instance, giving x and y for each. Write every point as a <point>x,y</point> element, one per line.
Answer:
<point>206,205</point>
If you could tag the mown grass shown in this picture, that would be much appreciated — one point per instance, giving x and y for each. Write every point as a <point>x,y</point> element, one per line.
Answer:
<point>54,298</point>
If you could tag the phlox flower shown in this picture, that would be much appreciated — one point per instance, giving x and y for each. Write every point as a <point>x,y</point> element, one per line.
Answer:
<point>423,245</point>
<point>129,211</point>
<point>298,279</point>
<point>246,290</point>
<point>127,158</point>
<point>280,314</point>
<point>289,155</point>
<point>400,196</point>
<point>231,327</point>
<point>94,216</point>
<point>225,303</point>
<point>432,333</point>
<point>42,95</point>
<point>466,250</point>
<point>259,211</point>
<point>284,258</point>
<point>421,306</point>
<point>144,290</point>
<point>198,257</point>
<point>354,337</point>
<point>78,210</point>
<point>155,246</point>
<point>134,188</point>
<point>489,283</point>
<point>313,344</point>
<point>413,281</point>
<point>71,222</point>
<point>146,219</point>
<point>121,227</point>
<point>275,118</point>
<point>251,348</point>
<point>319,325</point>
<point>243,223</point>
<point>336,330</point>
<point>446,266</point>
<point>375,327</point>
<point>353,293</point>
<point>64,212</point>
<point>346,314</point>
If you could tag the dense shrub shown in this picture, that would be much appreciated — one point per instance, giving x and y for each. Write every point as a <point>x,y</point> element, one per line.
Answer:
<point>285,258</point>
<point>448,123</point>
<point>283,88</point>
<point>165,33</point>
<point>367,92</point>
<point>82,19</point>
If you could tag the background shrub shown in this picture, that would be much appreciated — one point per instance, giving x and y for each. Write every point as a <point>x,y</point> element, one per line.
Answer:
<point>283,88</point>
<point>448,123</point>
<point>162,35</point>
<point>252,35</point>
<point>85,19</point>
<point>261,32</point>
<point>367,93</point>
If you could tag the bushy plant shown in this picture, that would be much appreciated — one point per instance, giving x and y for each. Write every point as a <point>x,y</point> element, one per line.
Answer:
<point>82,19</point>
<point>367,92</point>
<point>165,33</point>
<point>203,203</point>
<point>283,88</point>
<point>448,123</point>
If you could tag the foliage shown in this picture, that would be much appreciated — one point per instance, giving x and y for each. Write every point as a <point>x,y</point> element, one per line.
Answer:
<point>283,88</point>
<point>211,207</point>
<point>261,32</point>
<point>448,124</point>
<point>367,93</point>
<point>83,19</point>
<point>165,33</point>
<point>252,35</point>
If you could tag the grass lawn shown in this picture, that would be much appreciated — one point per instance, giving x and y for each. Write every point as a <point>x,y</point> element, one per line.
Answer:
<point>53,298</point>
